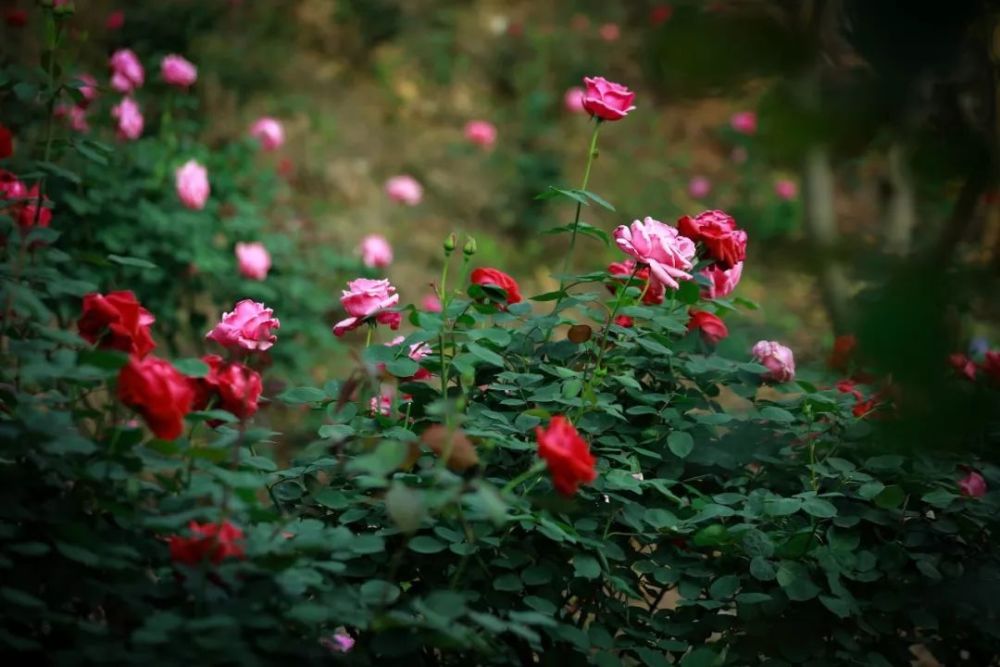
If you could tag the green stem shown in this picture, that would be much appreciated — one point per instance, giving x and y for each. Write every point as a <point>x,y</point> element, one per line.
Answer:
<point>368,338</point>
<point>591,154</point>
<point>538,467</point>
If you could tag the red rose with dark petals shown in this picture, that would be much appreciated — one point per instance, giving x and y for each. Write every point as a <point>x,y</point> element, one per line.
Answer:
<point>159,392</point>
<point>208,541</point>
<point>843,349</point>
<point>115,20</point>
<point>16,18</point>
<point>497,278</point>
<point>567,454</point>
<point>235,387</point>
<point>6,143</point>
<point>34,213</point>
<point>660,14</point>
<point>991,364</point>
<point>621,271</point>
<point>116,321</point>
<point>717,230</point>
<point>963,365</point>
<point>712,328</point>
<point>624,321</point>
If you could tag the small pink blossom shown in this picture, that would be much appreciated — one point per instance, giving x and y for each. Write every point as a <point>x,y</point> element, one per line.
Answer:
<point>375,251</point>
<point>744,122</point>
<point>786,189</point>
<point>380,405</point>
<point>699,187</point>
<point>669,255</point>
<point>610,32</point>
<point>248,327</point>
<point>431,303</point>
<point>606,99</point>
<point>481,132</point>
<point>573,100</point>
<point>192,185</point>
<point>778,359</point>
<point>722,281</point>
<point>972,485</point>
<point>87,85</point>
<point>129,117</point>
<point>338,642</point>
<point>74,115</point>
<point>404,189</point>
<point>365,299</point>
<point>178,71</point>
<point>254,260</point>
<point>269,132</point>
<point>127,73</point>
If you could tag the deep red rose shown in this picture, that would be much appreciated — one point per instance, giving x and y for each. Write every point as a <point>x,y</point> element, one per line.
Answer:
<point>712,328</point>
<point>16,18</point>
<point>567,454</point>
<point>660,14</point>
<point>843,349</point>
<point>6,142</point>
<point>116,321</point>
<point>621,271</point>
<point>991,364</point>
<point>963,365</point>
<point>34,213</point>
<point>497,278</point>
<point>208,541</point>
<point>115,20</point>
<point>158,392</point>
<point>717,230</point>
<point>625,321</point>
<point>235,387</point>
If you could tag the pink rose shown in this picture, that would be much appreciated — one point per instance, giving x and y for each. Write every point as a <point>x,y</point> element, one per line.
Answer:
<point>404,190</point>
<point>668,254</point>
<point>972,485</point>
<point>338,642</point>
<point>416,352</point>
<point>573,100</point>
<point>481,132</point>
<point>87,85</point>
<point>254,260</point>
<point>381,405</point>
<point>786,189</point>
<point>127,73</point>
<point>431,303</point>
<point>744,122</point>
<point>607,100</point>
<point>365,299</point>
<point>75,116</point>
<point>375,251</point>
<point>178,71</point>
<point>248,327</point>
<point>778,359</point>
<point>129,117</point>
<point>269,132</point>
<point>722,281</point>
<point>699,187</point>
<point>192,185</point>
<point>610,32</point>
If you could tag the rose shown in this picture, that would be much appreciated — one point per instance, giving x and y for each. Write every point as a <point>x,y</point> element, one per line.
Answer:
<point>712,329</point>
<point>212,541</point>
<point>786,189</point>
<point>129,117</point>
<point>16,18</point>
<point>963,365</point>
<point>721,281</point>
<point>431,303</point>
<point>699,187</point>
<point>573,100</point>
<point>991,364</point>
<point>247,327</point>
<point>11,187</point>
<point>338,642</point>
<point>404,190</point>
<point>269,132</point>
<point>744,122</point>
<point>236,387</point>
<point>651,242</point>
<point>621,271</point>
<point>365,299</point>
<point>843,349</point>
<point>660,14</point>
<point>75,115</point>
<point>609,32</point>
<point>624,321</point>
<point>254,260</point>
<point>973,485</point>
<point>192,185</point>
<point>416,352</point>
<point>489,277</point>
<point>157,391</point>
<point>115,20</point>
<point>6,142</point>
<point>607,100</point>
<point>381,405</point>
<point>178,71</point>
<point>34,213</point>
<point>127,73</point>
<point>116,321</point>
<point>567,455</point>
<point>375,251</point>
<point>725,242</point>
<point>778,359</point>
<point>482,133</point>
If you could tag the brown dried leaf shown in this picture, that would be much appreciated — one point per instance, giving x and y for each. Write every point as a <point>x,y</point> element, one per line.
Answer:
<point>462,454</point>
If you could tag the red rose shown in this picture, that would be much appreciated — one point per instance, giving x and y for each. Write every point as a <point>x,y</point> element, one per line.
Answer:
<point>497,278</point>
<point>116,321</point>
<point>235,387</point>
<point>712,328</point>
<point>6,143</point>
<point>567,454</point>
<point>991,364</point>
<point>717,230</point>
<point>34,213</point>
<point>16,18</point>
<point>211,541</point>
<point>660,14</point>
<point>843,349</point>
<point>963,365</point>
<point>158,392</point>
<point>621,271</point>
<point>624,321</point>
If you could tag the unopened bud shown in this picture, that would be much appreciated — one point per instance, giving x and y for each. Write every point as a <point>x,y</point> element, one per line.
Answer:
<point>470,247</point>
<point>449,243</point>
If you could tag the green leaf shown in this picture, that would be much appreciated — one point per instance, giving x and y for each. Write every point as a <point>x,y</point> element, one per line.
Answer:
<point>136,262</point>
<point>193,368</point>
<point>402,368</point>
<point>336,432</point>
<point>762,569</point>
<point>489,356</point>
<point>700,657</point>
<point>869,490</point>
<point>586,566</point>
<point>297,395</point>
<point>794,579</point>
<point>724,587</point>
<point>378,592</point>
<point>406,508</point>
<point>837,606</point>
<point>776,414</point>
<point>891,497</point>
<point>425,544</point>
<point>819,508</point>
<point>939,498</point>
<point>553,191</point>
<point>508,582</point>
<point>213,415</point>
<point>680,443</point>
<point>782,506</point>
<point>597,199</point>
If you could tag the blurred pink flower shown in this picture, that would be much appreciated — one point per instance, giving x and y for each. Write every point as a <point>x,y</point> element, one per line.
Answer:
<point>127,73</point>
<point>744,122</point>
<point>375,251</point>
<point>739,155</point>
<point>269,132</point>
<point>573,100</point>
<point>377,405</point>
<point>115,20</point>
<point>364,299</point>
<point>248,327</point>
<point>778,359</point>
<point>723,281</point>
<point>660,14</point>
<point>786,189</point>
<point>254,260</point>
<point>404,189</point>
<point>74,115</point>
<point>972,485</point>
<point>192,185</point>
<point>699,187</point>
<point>607,100</point>
<point>178,71</point>
<point>668,254</point>
<point>87,85</point>
<point>481,132</point>
<point>431,303</point>
<point>610,32</point>
<point>129,117</point>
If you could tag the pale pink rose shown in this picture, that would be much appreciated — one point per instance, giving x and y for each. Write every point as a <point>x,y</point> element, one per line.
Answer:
<point>972,485</point>
<point>254,260</point>
<point>129,117</point>
<point>87,85</point>
<point>607,100</point>
<point>269,132</point>
<point>610,32</point>
<point>365,299</point>
<point>380,405</point>
<point>669,255</point>
<point>375,251</point>
<point>573,100</point>
<point>786,189</point>
<point>722,281</point>
<point>74,115</point>
<point>192,185</point>
<point>481,132</point>
<point>739,155</point>
<point>431,303</point>
<point>699,187</point>
<point>744,122</point>
<point>178,71</point>
<point>127,73</point>
<point>248,327</point>
<point>778,359</point>
<point>404,189</point>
